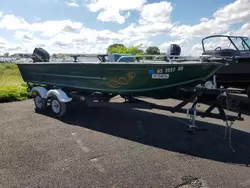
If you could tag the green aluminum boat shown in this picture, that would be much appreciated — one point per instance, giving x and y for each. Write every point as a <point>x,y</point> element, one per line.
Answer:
<point>120,74</point>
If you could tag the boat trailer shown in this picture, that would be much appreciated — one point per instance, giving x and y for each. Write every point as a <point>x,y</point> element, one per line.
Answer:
<point>45,96</point>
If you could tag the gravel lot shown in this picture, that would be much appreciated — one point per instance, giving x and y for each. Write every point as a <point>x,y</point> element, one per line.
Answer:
<point>113,147</point>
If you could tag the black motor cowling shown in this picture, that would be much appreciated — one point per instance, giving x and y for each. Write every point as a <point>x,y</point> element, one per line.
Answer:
<point>174,49</point>
<point>40,55</point>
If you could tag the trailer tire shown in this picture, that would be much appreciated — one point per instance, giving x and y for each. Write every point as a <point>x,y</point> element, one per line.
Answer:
<point>57,107</point>
<point>40,103</point>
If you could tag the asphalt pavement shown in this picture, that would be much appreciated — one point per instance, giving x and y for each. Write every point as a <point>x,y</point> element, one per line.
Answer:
<point>114,147</point>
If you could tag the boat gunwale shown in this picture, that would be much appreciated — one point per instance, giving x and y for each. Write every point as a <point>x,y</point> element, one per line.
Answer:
<point>122,63</point>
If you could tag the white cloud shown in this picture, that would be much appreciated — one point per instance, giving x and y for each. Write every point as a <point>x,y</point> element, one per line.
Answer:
<point>243,31</point>
<point>223,19</point>
<point>137,40</point>
<point>111,9</point>
<point>11,48</point>
<point>111,15</point>
<point>203,19</point>
<point>15,48</point>
<point>236,12</point>
<point>48,28</point>
<point>72,4</point>
<point>2,41</point>
<point>154,20</point>
<point>196,50</point>
<point>97,5</point>
<point>54,27</point>
<point>24,35</point>
<point>144,44</point>
<point>12,22</point>
<point>57,36</point>
<point>156,12</point>
<point>91,35</point>
<point>146,30</point>
<point>1,14</point>
<point>202,29</point>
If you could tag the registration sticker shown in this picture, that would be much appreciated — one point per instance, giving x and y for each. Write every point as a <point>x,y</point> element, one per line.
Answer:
<point>160,76</point>
<point>151,71</point>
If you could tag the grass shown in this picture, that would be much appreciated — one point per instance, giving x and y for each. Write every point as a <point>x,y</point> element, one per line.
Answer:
<point>12,86</point>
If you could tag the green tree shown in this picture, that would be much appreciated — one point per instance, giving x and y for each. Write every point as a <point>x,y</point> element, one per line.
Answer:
<point>6,54</point>
<point>115,46</point>
<point>139,51</point>
<point>152,50</point>
<point>116,49</point>
<point>135,50</point>
<point>121,49</point>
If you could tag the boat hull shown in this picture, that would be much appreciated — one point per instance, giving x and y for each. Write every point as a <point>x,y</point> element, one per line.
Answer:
<point>235,74</point>
<point>149,80</point>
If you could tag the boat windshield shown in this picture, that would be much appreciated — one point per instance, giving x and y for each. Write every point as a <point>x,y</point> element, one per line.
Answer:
<point>226,42</point>
<point>241,43</point>
<point>247,44</point>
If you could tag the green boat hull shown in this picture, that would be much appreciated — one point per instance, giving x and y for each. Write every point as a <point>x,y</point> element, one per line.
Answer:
<point>149,80</point>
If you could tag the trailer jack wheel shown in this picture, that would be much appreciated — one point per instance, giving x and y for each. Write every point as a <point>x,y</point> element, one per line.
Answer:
<point>58,108</point>
<point>40,103</point>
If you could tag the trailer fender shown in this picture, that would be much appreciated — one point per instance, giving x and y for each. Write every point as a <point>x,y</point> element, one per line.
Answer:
<point>41,90</point>
<point>61,95</point>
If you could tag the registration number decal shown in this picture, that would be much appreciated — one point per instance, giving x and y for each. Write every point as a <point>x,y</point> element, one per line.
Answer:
<point>169,70</point>
<point>160,76</point>
<point>164,73</point>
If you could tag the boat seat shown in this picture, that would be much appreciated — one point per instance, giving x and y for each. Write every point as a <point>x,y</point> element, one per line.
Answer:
<point>125,58</point>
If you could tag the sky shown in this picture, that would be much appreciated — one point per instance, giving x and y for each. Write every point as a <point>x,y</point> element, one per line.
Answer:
<point>90,26</point>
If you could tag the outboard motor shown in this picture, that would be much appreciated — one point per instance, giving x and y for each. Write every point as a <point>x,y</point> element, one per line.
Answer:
<point>173,50</point>
<point>40,55</point>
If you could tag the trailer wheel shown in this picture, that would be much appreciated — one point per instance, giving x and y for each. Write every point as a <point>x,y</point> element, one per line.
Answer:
<point>58,108</point>
<point>40,103</point>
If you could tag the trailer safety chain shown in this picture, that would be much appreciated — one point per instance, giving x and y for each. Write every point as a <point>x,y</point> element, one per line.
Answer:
<point>192,114</point>
<point>228,126</point>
